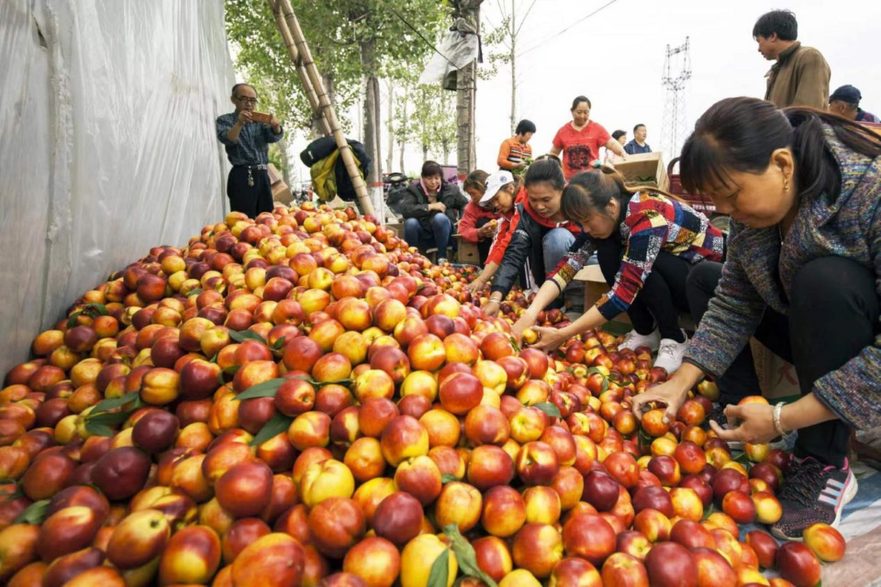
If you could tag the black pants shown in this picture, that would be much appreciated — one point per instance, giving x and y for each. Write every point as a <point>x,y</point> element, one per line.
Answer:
<point>483,246</point>
<point>833,315</point>
<point>252,200</point>
<point>662,296</point>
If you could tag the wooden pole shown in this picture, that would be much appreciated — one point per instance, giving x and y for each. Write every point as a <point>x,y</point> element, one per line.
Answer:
<point>301,71</point>
<point>325,108</point>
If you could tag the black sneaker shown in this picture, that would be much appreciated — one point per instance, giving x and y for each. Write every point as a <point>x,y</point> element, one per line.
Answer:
<point>813,492</point>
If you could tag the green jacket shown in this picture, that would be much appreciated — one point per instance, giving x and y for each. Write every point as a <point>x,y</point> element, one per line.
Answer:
<point>799,78</point>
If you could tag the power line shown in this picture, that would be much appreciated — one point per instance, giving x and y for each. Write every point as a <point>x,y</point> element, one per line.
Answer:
<point>577,22</point>
<point>523,20</point>
<point>424,40</point>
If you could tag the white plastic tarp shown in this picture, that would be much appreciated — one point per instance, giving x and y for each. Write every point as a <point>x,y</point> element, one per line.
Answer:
<point>455,52</point>
<point>107,145</point>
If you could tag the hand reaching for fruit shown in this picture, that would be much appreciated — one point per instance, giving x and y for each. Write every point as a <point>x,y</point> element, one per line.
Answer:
<point>756,423</point>
<point>525,322</point>
<point>549,338</point>
<point>491,308</point>
<point>670,394</point>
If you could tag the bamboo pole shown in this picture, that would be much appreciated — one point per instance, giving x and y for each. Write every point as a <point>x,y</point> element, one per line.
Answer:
<point>301,71</point>
<point>325,108</point>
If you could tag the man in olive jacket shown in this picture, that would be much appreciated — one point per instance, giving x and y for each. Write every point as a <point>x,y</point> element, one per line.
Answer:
<point>800,76</point>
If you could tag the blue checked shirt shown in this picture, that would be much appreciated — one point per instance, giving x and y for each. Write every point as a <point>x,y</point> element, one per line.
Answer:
<point>252,148</point>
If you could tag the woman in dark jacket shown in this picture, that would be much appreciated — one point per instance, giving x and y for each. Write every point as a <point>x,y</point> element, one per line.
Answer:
<point>803,275</point>
<point>540,235</point>
<point>429,208</point>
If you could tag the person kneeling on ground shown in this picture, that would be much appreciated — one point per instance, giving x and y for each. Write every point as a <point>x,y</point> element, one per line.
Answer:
<point>540,236</point>
<point>429,208</point>
<point>803,275</point>
<point>503,192</point>
<point>479,224</point>
<point>647,243</point>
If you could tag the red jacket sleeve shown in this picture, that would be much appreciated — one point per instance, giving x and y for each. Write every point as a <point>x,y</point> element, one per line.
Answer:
<point>468,223</point>
<point>503,237</point>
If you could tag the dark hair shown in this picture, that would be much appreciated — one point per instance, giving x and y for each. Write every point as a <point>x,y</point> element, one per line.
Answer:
<point>590,192</point>
<point>781,22</point>
<point>578,100</point>
<point>236,87</point>
<point>635,128</point>
<point>618,134</point>
<point>545,170</point>
<point>430,168</point>
<point>525,126</point>
<point>476,180</point>
<point>741,134</point>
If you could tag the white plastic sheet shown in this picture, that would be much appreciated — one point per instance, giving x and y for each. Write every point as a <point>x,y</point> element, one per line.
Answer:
<point>107,144</point>
<point>456,50</point>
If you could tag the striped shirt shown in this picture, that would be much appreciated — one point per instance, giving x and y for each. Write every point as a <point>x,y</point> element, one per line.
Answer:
<point>252,148</point>
<point>512,152</point>
<point>652,223</point>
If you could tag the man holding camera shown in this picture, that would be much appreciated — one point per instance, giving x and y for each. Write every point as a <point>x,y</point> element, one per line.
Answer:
<point>246,134</point>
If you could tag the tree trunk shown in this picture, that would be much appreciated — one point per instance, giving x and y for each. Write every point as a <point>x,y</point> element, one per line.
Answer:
<point>327,79</point>
<point>390,145</point>
<point>513,24</point>
<point>285,160</point>
<point>371,128</point>
<point>404,123</point>
<point>466,98</point>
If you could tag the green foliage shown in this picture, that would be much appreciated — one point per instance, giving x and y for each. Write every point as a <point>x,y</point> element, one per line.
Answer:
<point>336,32</point>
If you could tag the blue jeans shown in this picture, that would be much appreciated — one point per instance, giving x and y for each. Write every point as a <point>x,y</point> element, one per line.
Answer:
<point>555,245</point>
<point>441,231</point>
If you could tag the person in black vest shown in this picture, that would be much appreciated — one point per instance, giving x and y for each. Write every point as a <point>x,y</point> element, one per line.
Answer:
<point>247,147</point>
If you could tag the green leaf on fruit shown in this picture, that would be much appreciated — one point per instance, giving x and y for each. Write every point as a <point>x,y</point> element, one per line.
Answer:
<point>94,308</point>
<point>319,384</point>
<point>278,345</point>
<point>708,512</point>
<point>440,570</point>
<point>276,425</point>
<point>71,322</point>
<point>514,344</point>
<point>265,389</point>
<point>34,514</point>
<point>194,292</point>
<point>231,371</point>
<point>605,385</point>
<point>447,478</point>
<point>465,555</point>
<point>10,495</point>
<point>549,409</point>
<point>243,335</point>
<point>113,403</point>
<point>644,438</point>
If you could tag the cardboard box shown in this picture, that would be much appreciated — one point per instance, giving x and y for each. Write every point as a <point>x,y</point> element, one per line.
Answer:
<point>281,193</point>
<point>644,169</point>
<point>467,252</point>
<point>595,286</point>
<point>777,378</point>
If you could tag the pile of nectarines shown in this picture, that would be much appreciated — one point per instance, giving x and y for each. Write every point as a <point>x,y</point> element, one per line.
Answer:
<point>302,399</point>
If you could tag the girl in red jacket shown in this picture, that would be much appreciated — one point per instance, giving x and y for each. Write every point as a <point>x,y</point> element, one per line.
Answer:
<point>479,224</point>
<point>501,193</point>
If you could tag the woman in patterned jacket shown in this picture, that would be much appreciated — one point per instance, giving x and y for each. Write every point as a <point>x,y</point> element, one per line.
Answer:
<point>803,275</point>
<point>647,243</point>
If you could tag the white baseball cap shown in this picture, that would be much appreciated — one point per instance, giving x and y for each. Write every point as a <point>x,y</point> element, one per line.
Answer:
<point>493,183</point>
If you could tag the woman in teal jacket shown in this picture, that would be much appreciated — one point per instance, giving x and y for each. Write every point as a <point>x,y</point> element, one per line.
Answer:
<point>803,274</point>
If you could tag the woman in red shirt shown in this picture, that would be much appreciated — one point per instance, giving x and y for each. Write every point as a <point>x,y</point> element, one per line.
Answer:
<point>578,142</point>
<point>478,224</point>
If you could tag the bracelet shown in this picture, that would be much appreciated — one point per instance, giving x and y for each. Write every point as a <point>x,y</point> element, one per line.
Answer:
<point>778,411</point>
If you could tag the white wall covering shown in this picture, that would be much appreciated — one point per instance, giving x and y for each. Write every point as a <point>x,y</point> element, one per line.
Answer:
<point>107,145</point>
